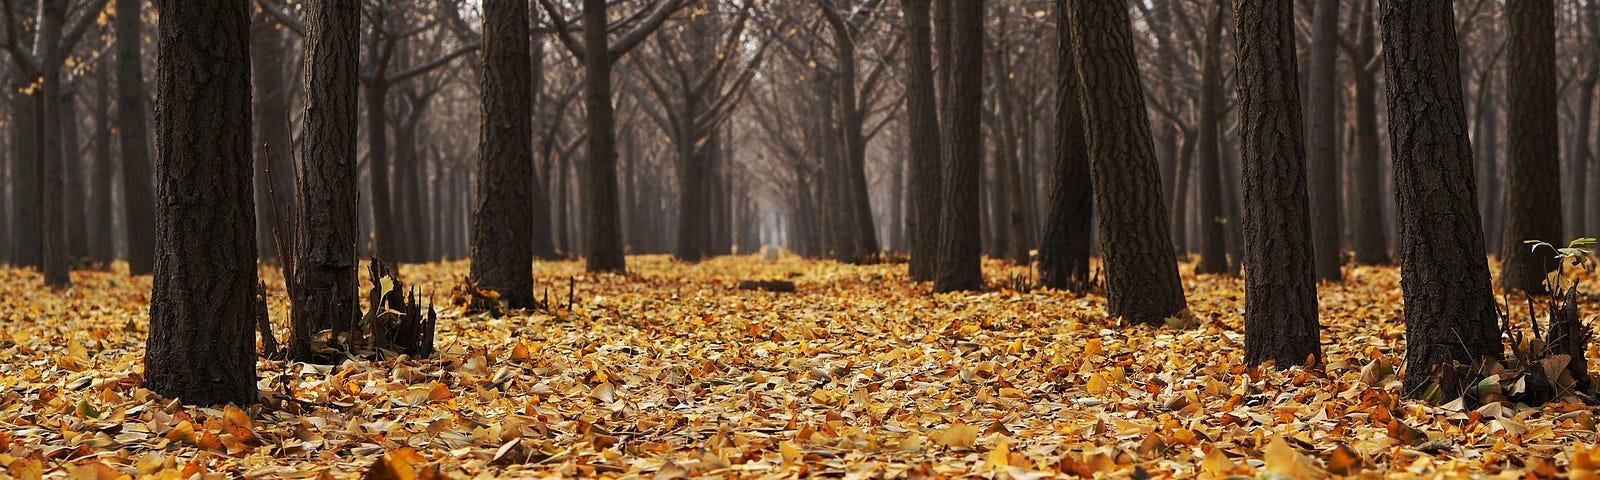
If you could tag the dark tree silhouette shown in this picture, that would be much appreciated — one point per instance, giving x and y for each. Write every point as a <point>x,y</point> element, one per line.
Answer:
<point>1322,151</point>
<point>960,257</point>
<point>1533,167</point>
<point>1280,298</point>
<point>1449,305</point>
<point>325,286</point>
<point>133,140</point>
<point>1213,235</point>
<point>502,225</point>
<point>1142,283</point>
<point>203,301</point>
<point>1064,250</point>
<point>922,117</point>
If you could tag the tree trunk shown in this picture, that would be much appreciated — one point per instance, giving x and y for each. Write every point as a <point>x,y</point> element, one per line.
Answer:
<point>1579,224</point>
<point>960,253</point>
<point>1064,251</point>
<point>101,250</point>
<point>1183,175</point>
<point>138,194</point>
<point>502,251</point>
<point>74,197</point>
<point>326,288</point>
<point>1142,283</point>
<point>1213,236</point>
<point>1449,305</point>
<point>1322,144</point>
<point>25,174</point>
<point>603,229</point>
<point>1280,311</point>
<point>1533,170</point>
<point>203,300</point>
<point>1371,231</point>
<point>52,224</point>
<point>543,246</point>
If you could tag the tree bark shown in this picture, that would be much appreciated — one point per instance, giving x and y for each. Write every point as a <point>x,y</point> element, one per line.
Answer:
<point>1322,142</point>
<point>922,116</point>
<point>25,174</point>
<point>101,250</point>
<point>603,226</point>
<point>960,256</point>
<point>326,288</point>
<point>52,221</point>
<point>201,348</point>
<point>1142,283</point>
<point>1533,171</point>
<point>1213,236</point>
<point>1449,305</point>
<point>1064,251</point>
<point>138,194</point>
<point>502,249</point>
<point>1280,310</point>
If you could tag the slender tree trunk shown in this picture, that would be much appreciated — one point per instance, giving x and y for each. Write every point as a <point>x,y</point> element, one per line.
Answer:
<point>1579,224</point>
<point>543,246</point>
<point>25,174</point>
<point>1064,251</point>
<point>1280,311</point>
<point>1322,143</point>
<point>1213,236</point>
<point>325,249</point>
<point>1182,177</point>
<point>138,194</point>
<point>100,220</point>
<point>1449,306</point>
<point>1533,172</point>
<point>603,229</point>
<point>1142,283</point>
<point>1371,231</point>
<point>52,222</point>
<point>960,252</point>
<point>74,196</point>
<point>203,301</point>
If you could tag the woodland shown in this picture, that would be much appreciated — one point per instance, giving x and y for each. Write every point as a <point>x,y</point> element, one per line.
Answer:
<point>423,239</point>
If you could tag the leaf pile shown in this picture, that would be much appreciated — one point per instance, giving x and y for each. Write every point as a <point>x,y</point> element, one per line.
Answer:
<point>674,372</point>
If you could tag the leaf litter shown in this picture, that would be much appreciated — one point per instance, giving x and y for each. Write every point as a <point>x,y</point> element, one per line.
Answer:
<point>674,372</point>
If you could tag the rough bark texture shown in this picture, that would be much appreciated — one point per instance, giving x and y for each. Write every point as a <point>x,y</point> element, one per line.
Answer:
<point>1371,231</point>
<point>1449,305</point>
<point>326,290</point>
<point>1280,298</point>
<point>52,224</point>
<point>1064,250</point>
<point>1533,170</point>
<point>1322,142</point>
<point>138,196</point>
<point>960,257</point>
<point>1213,236</point>
<point>1141,271</point>
<point>502,225</point>
<point>922,116</point>
<point>603,226</point>
<point>203,301</point>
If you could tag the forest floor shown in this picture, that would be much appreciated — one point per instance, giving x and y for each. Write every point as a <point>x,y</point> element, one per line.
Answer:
<point>671,372</point>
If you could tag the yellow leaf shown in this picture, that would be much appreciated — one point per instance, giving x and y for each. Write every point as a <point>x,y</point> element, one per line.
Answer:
<point>999,458</point>
<point>1097,384</point>
<point>958,434</point>
<point>790,454</point>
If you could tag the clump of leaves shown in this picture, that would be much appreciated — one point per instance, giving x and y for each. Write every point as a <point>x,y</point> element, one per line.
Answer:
<point>1547,366</point>
<point>473,300</point>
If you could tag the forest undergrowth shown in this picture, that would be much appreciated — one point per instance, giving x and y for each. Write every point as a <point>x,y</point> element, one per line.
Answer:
<point>672,372</point>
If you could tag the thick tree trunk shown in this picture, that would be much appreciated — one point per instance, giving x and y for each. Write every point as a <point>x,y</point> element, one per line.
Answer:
<point>1213,236</point>
<point>385,245</point>
<point>203,301</point>
<point>603,226</point>
<point>1322,142</point>
<point>960,254</point>
<point>1064,250</point>
<point>1142,283</point>
<point>502,250</point>
<point>25,175</point>
<point>1533,170</point>
<point>326,292</point>
<point>1280,310</point>
<point>138,194</point>
<point>1449,305</point>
